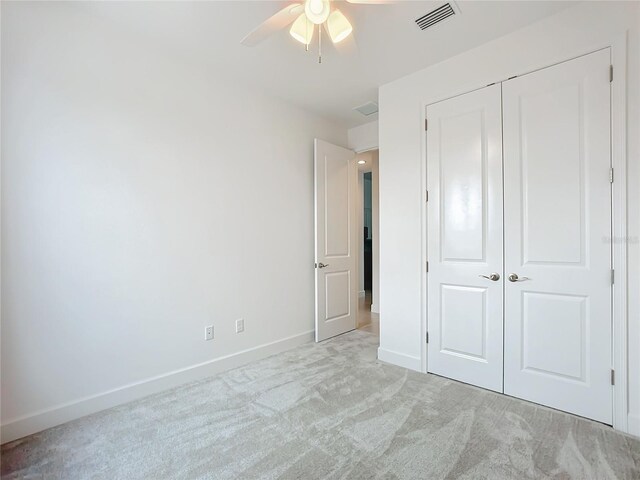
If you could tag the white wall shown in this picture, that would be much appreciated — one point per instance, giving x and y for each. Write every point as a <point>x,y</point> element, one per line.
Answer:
<point>142,199</point>
<point>363,137</point>
<point>572,32</point>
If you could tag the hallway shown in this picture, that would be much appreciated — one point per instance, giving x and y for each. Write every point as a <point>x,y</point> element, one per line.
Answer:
<point>368,321</point>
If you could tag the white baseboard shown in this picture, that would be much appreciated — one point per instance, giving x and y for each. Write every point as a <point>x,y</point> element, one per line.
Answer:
<point>633,424</point>
<point>400,359</point>
<point>374,308</point>
<point>50,417</point>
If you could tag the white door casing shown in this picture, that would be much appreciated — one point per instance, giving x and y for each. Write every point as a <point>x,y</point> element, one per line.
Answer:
<point>465,227</point>
<point>335,240</point>
<point>557,222</point>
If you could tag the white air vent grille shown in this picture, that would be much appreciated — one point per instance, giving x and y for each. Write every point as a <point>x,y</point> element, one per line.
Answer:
<point>435,16</point>
<point>367,109</point>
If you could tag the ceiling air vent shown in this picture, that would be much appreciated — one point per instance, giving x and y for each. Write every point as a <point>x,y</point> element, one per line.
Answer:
<point>367,109</point>
<point>436,16</point>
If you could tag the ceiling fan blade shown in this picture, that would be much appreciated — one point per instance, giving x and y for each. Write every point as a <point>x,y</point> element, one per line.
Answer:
<point>278,21</point>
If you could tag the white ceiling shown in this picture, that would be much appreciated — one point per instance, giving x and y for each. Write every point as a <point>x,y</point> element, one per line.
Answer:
<point>389,44</point>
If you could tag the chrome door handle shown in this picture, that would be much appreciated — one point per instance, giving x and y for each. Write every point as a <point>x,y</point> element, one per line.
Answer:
<point>322,265</point>
<point>515,278</point>
<point>494,277</point>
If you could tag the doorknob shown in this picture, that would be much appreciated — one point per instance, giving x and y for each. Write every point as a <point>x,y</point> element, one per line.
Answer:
<point>494,277</point>
<point>322,265</point>
<point>515,278</point>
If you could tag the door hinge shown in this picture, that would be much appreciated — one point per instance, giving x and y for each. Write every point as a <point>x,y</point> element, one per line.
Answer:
<point>613,276</point>
<point>613,377</point>
<point>610,73</point>
<point>425,124</point>
<point>427,337</point>
<point>427,267</point>
<point>426,195</point>
<point>611,175</point>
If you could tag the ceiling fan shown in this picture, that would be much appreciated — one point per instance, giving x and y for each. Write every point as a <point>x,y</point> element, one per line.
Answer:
<point>303,18</point>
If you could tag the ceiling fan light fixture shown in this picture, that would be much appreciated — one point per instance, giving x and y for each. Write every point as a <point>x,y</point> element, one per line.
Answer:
<point>317,10</point>
<point>302,29</point>
<point>338,26</point>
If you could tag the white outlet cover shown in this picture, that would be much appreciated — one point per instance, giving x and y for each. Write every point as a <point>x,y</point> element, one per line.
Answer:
<point>208,332</point>
<point>240,325</point>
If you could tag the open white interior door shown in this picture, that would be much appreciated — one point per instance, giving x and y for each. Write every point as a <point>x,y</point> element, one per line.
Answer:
<point>336,248</point>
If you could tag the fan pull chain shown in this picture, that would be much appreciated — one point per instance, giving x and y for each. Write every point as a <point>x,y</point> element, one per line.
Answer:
<point>306,31</point>
<point>319,43</point>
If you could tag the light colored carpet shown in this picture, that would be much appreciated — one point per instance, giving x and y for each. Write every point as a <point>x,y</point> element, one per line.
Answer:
<point>328,410</point>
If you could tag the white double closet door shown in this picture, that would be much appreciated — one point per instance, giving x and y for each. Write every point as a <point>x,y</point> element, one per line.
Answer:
<point>519,213</point>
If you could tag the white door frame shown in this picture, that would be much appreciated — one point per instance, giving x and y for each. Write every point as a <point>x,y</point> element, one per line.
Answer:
<point>618,47</point>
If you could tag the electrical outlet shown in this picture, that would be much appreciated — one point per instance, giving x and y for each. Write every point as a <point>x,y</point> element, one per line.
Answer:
<point>240,325</point>
<point>208,332</point>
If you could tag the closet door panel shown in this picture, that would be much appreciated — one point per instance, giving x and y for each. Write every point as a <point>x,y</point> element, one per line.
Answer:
<point>557,221</point>
<point>464,177</point>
